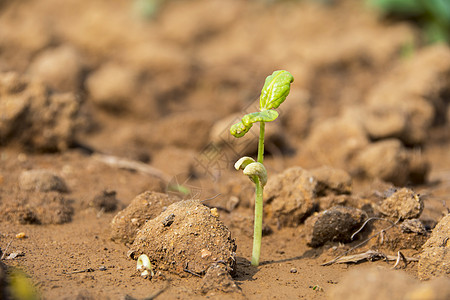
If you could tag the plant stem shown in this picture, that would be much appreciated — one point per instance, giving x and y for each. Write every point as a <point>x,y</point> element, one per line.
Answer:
<point>257,231</point>
<point>262,126</point>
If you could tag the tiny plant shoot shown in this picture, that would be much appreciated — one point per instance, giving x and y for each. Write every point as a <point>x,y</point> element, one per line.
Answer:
<point>274,92</point>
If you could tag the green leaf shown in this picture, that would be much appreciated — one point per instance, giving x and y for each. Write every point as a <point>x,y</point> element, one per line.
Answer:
<point>275,89</point>
<point>263,116</point>
<point>239,129</point>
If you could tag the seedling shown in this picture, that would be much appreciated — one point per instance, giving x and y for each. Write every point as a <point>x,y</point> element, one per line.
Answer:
<point>275,90</point>
<point>144,265</point>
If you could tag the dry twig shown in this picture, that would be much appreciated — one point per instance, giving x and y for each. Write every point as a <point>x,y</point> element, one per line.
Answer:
<point>372,255</point>
<point>131,165</point>
<point>363,242</point>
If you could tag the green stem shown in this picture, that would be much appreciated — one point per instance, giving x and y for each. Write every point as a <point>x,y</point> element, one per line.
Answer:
<point>262,126</point>
<point>257,231</point>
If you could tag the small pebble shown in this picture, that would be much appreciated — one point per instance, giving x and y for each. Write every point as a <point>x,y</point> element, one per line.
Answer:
<point>293,270</point>
<point>21,235</point>
<point>102,268</point>
<point>214,212</point>
<point>205,253</point>
<point>168,220</point>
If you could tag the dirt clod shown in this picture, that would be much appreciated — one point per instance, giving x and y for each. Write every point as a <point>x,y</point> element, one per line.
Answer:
<point>413,226</point>
<point>38,208</point>
<point>409,100</point>
<point>218,279</point>
<point>403,203</point>
<point>105,201</point>
<point>182,245</point>
<point>332,181</point>
<point>435,258</point>
<point>59,68</point>
<point>336,224</point>
<point>42,180</point>
<point>143,208</point>
<point>289,196</point>
<point>35,118</point>
<point>337,141</point>
<point>390,161</point>
<point>111,86</point>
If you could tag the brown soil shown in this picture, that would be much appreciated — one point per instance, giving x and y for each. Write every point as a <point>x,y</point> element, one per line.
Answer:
<point>102,105</point>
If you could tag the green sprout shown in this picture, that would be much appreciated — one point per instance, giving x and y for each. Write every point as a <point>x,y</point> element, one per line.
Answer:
<point>274,92</point>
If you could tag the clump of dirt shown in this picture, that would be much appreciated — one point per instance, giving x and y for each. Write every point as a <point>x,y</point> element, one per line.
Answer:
<point>37,208</point>
<point>336,224</point>
<point>396,238</point>
<point>411,98</point>
<point>362,203</point>
<point>186,236</point>
<point>42,180</point>
<point>435,257</point>
<point>391,161</point>
<point>142,208</point>
<point>332,181</point>
<point>289,196</point>
<point>218,279</point>
<point>111,85</point>
<point>59,68</point>
<point>403,204</point>
<point>336,142</point>
<point>105,201</point>
<point>35,118</point>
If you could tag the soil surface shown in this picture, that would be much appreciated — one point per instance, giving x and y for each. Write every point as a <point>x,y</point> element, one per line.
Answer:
<point>111,113</point>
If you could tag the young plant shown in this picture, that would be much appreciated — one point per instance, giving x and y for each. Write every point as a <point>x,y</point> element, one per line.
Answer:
<point>274,92</point>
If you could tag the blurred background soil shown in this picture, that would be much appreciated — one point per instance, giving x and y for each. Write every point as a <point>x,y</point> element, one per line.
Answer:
<point>101,101</point>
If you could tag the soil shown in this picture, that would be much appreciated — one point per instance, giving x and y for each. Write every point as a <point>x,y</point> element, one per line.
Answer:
<point>102,108</point>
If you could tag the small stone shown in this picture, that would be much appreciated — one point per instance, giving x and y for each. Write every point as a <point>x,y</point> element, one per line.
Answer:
<point>232,203</point>
<point>215,212</point>
<point>293,270</point>
<point>168,220</point>
<point>21,235</point>
<point>413,226</point>
<point>205,253</point>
